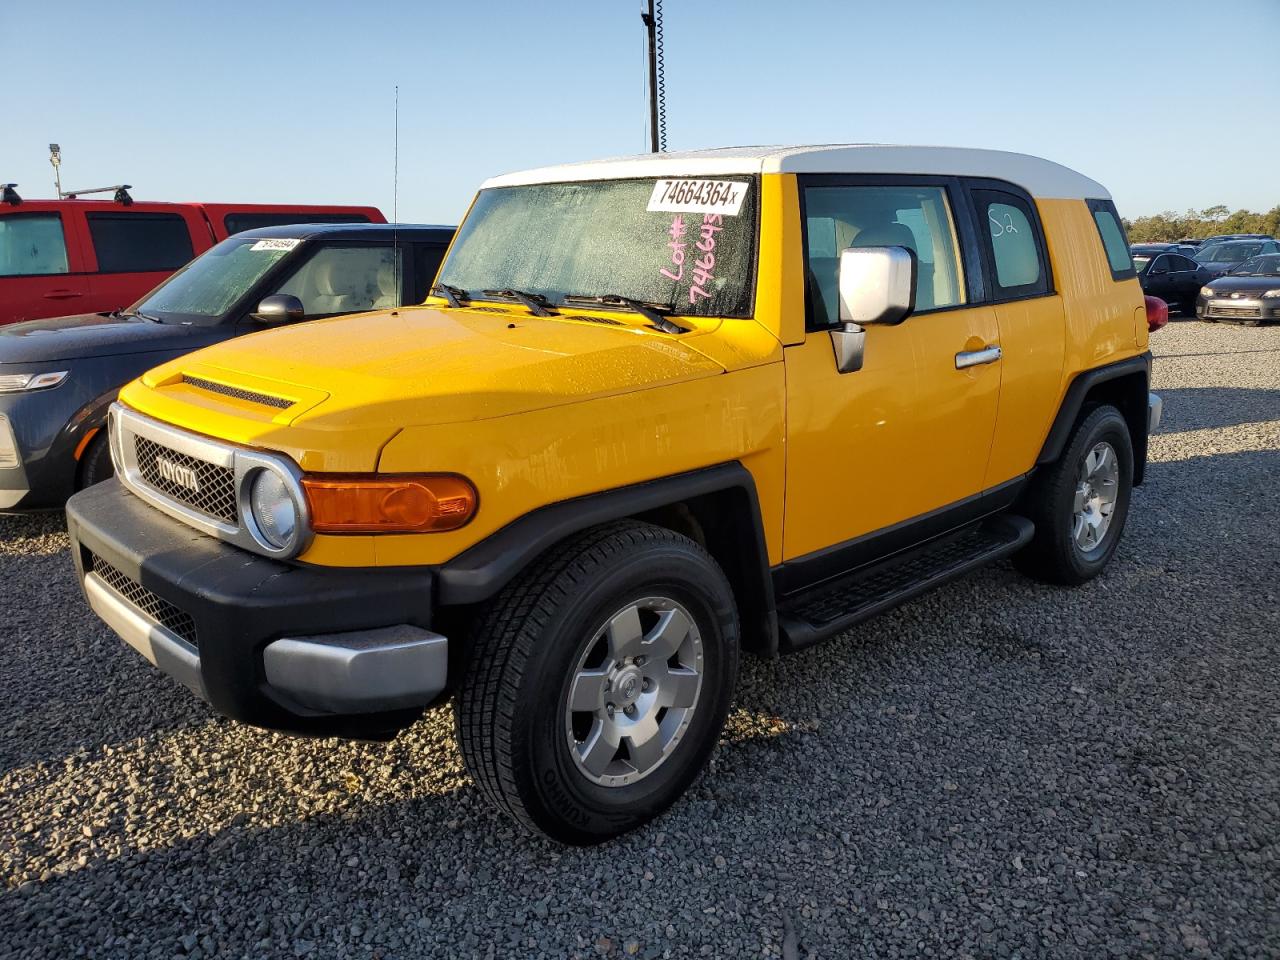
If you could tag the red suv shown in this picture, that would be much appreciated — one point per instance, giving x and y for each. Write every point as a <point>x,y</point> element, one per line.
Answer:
<point>59,257</point>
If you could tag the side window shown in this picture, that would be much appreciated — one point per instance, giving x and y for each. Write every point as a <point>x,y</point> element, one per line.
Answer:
<point>1013,244</point>
<point>139,242</point>
<point>347,279</point>
<point>1161,265</point>
<point>32,244</point>
<point>1182,263</point>
<point>239,222</point>
<point>918,218</point>
<point>1114,241</point>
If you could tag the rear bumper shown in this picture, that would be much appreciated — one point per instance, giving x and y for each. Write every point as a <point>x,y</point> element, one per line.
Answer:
<point>311,650</point>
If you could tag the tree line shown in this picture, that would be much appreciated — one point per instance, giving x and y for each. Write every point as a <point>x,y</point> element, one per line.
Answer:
<point>1203,223</point>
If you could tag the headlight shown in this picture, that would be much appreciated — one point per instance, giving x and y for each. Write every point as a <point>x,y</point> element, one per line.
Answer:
<point>1206,291</point>
<point>275,515</point>
<point>18,382</point>
<point>1272,293</point>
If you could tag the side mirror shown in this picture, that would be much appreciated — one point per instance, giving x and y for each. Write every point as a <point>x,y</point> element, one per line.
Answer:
<point>876,285</point>
<point>279,308</point>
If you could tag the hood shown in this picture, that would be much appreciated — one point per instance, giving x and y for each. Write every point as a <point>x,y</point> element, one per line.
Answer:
<point>96,335</point>
<point>380,372</point>
<point>1248,286</point>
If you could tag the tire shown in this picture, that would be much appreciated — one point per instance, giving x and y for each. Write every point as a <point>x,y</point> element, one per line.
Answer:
<point>1056,554</point>
<point>95,462</point>
<point>539,640</point>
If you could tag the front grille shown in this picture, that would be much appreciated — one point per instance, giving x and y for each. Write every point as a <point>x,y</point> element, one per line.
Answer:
<point>1216,311</point>
<point>215,493</point>
<point>161,611</point>
<point>252,396</point>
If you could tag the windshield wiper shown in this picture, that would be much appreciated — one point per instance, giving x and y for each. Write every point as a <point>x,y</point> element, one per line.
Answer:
<point>536,302</point>
<point>455,295</point>
<point>124,314</point>
<point>647,309</point>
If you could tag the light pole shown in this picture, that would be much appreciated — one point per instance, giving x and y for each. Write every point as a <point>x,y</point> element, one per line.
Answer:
<point>55,159</point>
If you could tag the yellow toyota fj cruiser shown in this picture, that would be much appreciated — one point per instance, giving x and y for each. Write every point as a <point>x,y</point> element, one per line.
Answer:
<point>656,411</point>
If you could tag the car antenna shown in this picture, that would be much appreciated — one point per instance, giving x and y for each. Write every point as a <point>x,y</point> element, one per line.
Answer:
<point>395,199</point>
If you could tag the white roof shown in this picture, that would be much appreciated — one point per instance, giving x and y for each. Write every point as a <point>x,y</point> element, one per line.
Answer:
<point>1040,178</point>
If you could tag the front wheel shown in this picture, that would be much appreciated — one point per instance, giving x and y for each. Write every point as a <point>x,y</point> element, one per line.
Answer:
<point>1079,503</point>
<point>598,682</point>
<point>95,462</point>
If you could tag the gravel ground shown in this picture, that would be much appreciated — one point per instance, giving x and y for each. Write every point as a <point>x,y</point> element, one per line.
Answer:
<point>995,770</point>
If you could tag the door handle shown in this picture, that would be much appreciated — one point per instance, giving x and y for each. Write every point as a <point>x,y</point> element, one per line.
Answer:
<point>62,295</point>
<point>975,358</point>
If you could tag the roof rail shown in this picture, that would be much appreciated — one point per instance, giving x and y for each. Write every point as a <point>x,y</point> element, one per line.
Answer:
<point>120,190</point>
<point>9,195</point>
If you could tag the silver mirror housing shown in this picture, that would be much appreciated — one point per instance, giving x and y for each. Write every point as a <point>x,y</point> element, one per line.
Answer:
<point>877,284</point>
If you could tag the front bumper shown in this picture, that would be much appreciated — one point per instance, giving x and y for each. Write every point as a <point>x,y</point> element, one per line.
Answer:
<point>1238,310</point>
<point>312,650</point>
<point>39,433</point>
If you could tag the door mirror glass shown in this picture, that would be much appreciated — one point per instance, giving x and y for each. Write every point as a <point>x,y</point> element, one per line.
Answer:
<point>279,308</point>
<point>877,284</point>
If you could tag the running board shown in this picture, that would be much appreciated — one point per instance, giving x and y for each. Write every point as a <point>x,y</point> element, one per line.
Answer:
<point>835,606</point>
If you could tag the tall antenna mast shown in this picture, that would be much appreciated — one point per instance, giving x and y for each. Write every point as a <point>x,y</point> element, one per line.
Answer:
<point>657,79</point>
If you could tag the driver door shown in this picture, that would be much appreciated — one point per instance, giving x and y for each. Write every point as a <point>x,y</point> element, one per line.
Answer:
<point>910,432</point>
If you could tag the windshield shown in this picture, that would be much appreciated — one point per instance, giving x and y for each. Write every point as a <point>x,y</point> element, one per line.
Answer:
<point>202,292</point>
<point>1229,252</point>
<point>688,245</point>
<point>1140,262</point>
<point>1267,266</point>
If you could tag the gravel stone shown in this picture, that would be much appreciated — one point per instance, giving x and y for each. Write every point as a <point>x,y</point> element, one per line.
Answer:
<point>997,769</point>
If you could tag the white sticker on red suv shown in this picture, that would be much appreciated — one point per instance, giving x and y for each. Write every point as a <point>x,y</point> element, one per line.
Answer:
<point>698,196</point>
<point>275,244</point>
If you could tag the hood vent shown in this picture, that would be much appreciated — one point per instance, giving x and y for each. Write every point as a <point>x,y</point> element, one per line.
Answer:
<point>280,403</point>
<point>609,321</point>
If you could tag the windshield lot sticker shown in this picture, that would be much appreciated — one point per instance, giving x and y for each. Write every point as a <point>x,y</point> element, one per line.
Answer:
<point>722,197</point>
<point>275,244</point>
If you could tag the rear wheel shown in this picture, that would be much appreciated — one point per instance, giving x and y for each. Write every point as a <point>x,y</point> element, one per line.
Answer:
<point>95,462</point>
<point>1079,504</point>
<point>598,682</point>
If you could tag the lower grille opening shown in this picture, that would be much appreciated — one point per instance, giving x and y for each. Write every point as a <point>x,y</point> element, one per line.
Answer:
<point>157,608</point>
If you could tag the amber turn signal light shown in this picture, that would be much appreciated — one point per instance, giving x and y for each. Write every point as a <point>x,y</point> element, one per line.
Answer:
<point>423,503</point>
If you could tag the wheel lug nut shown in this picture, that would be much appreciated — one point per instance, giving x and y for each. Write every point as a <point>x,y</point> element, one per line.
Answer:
<point>639,661</point>
<point>609,708</point>
<point>646,685</point>
<point>630,711</point>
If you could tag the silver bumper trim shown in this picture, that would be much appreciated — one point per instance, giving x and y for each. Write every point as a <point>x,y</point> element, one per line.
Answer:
<point>160,646</point>
<point>1155,407</point>
<point>359,672</point>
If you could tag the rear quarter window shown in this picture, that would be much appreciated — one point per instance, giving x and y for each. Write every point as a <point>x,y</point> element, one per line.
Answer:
<point>1114,242</point>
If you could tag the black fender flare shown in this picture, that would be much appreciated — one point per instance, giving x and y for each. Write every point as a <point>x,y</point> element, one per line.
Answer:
<point>1073,402</point>
<point>480,571</point>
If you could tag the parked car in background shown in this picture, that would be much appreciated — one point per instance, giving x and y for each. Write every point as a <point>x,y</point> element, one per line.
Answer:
<point>58,376</point>
<point>1224,256</point>
<point>101,255</point>
<point>1248,294</point>
<point>660,411</point>
<point>1151,249</point>
<point>1174,278</point>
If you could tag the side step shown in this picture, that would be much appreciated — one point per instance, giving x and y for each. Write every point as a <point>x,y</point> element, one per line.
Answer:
<point>833,607</point>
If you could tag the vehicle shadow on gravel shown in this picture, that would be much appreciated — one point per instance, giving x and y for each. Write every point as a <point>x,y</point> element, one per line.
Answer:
<point>1209,408</point>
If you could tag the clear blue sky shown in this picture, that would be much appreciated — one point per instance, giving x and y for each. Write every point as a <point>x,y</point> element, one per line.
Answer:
<point>292,101</point>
